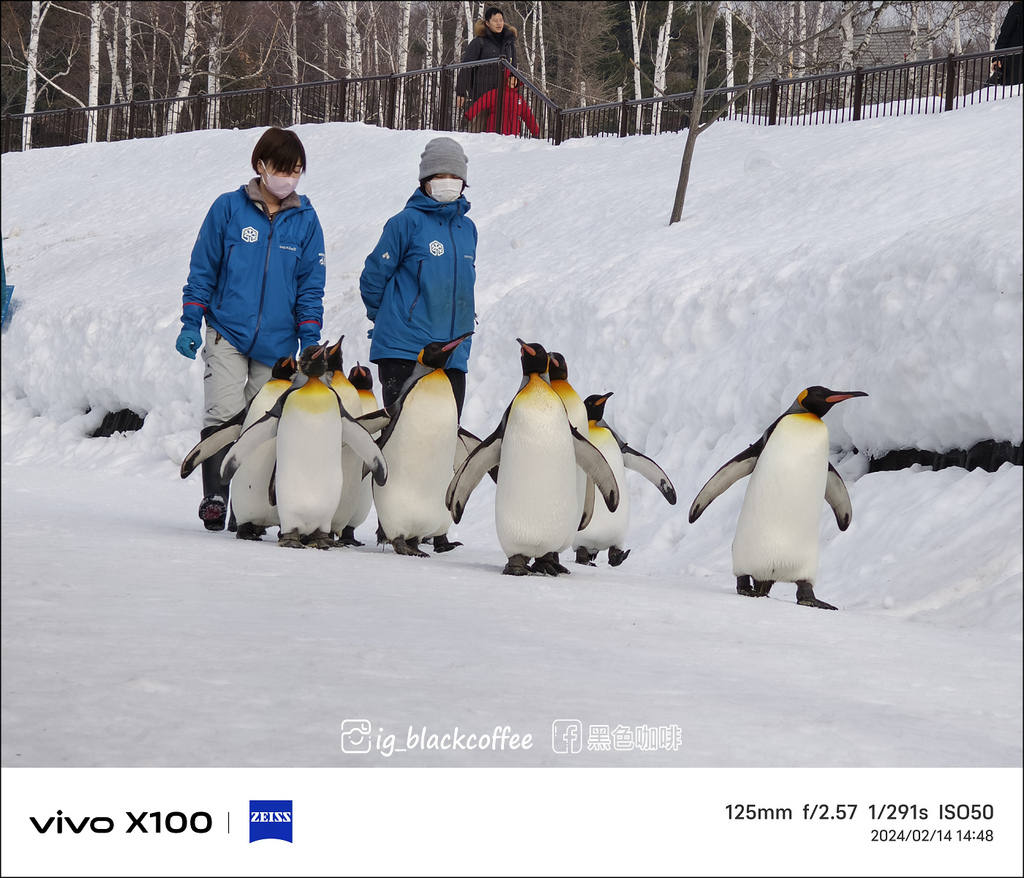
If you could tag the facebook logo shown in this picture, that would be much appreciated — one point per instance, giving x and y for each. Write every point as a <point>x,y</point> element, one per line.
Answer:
<point>567,736</point>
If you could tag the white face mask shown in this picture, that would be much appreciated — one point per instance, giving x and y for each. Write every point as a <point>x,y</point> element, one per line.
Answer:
<point>444,190</point>
<point>279,187</point>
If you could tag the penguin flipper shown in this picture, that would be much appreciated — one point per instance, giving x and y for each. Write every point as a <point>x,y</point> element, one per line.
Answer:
<point>374,422</point>
<point>838,498</point>
<point>728,474</point>
<point>588,505</point>
<point>641,463</point>
<point>217,438</point>
<point>355,436</point>
<point>258,433</point>
<point>272,486</point>
<point>481,459</point>
<point>592,462</point>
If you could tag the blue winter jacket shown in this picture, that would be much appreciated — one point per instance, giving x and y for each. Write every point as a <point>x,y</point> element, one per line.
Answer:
<point>259,283</point>
<point>417,284</point>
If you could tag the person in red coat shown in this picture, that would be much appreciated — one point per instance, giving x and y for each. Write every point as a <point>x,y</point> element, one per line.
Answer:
<point>515,111</point>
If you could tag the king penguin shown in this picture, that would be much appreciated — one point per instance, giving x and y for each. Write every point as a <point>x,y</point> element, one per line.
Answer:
<point>351,463</point>
<point>558,377</point>
<point>607,530</point>
<point>310,426</point>
<point>250,485</point>
<point>361,379</point>
<point>419,441</point>
<point>777,532</point>
<point>538,451</point>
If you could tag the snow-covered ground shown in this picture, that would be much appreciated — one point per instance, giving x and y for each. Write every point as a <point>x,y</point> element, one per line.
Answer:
<point>882,256</point>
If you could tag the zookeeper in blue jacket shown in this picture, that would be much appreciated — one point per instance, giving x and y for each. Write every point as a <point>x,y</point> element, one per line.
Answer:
<point>417,284</point>
<point>257,278</point>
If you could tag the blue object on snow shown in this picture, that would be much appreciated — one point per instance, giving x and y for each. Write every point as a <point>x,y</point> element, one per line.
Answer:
<point>7,290</point>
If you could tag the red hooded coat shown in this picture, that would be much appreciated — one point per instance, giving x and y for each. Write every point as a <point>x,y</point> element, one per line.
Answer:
<point>515,112</point>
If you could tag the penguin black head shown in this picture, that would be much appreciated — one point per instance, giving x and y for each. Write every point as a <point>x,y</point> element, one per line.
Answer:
<point>558,370</point>
<point>436,354</point>
<point>360,378</point>
<point>334,358</point>
<point>284,369</point>
<point>313,360</point>
<point>595,405</point>
<point>818,400</point>
<point>534,357</point>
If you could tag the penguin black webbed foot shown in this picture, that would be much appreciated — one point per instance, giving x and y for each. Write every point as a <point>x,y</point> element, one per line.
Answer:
<point>744,587</point>
<point>319,540</point>
<point>805,597</point>
<point>407,547</point>
<point>762,587</point>
<point>443,544</point>
<point>548,565</point>
<point>291,540</point>
<point>616,556</point>
<point>249,531</point>
<point>585,556</point>
<point>517,566</point>
<point>347,537</point>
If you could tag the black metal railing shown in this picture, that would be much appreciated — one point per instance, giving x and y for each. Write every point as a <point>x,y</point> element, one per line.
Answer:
<point>427,100</point>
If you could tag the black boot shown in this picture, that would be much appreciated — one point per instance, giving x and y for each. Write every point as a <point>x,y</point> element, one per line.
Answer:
<point>214,509</point>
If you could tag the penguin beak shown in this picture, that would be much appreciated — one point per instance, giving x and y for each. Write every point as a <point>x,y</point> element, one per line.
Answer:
<point>530,351</point>
<point>839,397</point>
<point>604,398</point>
<point>452,345</point>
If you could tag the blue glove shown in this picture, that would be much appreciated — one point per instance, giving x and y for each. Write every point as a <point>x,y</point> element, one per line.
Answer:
<point>306,340</point>
<point>189,341</point>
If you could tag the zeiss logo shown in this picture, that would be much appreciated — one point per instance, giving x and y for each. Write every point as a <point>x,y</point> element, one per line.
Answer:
<point>270,818</point>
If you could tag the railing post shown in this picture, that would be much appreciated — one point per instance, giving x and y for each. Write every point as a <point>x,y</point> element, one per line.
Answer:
<point>131,119</point>
<point>950,82</point>
<point>624,118</point>
<point>389,118</point>
<point>773,102</point>
<point>858,93</point>
<point>499,101</point>
<point>558,126</point>
<point>267,98</point>
<point>7,134</point>
<point>67,127</point>
<point>444,109</point>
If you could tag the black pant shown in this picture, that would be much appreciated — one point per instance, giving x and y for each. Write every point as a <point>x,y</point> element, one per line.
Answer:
<point>393,373</point>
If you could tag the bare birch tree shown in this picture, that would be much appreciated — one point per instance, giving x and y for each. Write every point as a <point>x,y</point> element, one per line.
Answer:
<point>186,66</point>
<point>661,62</point>
<point>730,57</point>
<point>39,11</point>
<point>93,100</point>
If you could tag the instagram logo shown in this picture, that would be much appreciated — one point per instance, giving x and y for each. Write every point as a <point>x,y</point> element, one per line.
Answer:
<point>567,736</point>
<point>356,735</point>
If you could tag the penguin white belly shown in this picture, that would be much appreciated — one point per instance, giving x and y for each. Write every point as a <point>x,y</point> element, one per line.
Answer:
<point>535,500</point>
<point>607,529</point>
<point>420,453</point>
<point>351,463</point>
<point>777,532</point>
<point>364,490</point>
<point>250,485</point>
<point>309,476</point>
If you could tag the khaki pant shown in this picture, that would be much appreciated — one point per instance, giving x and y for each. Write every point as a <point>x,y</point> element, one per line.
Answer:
<point>230,380</point>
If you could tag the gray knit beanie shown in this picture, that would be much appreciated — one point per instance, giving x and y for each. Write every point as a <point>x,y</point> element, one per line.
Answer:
<point>443,156</point>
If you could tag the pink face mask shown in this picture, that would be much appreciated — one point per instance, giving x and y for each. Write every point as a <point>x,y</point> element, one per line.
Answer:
<point>279,187</point>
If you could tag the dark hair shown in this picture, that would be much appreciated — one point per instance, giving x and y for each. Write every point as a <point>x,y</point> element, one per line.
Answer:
<point>279,149</point>
<point>491,12</point>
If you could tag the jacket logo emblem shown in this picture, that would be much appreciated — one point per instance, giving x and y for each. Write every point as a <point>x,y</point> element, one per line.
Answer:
<point>385,255</point>
<point>250,235</point>
<point>436,248</point>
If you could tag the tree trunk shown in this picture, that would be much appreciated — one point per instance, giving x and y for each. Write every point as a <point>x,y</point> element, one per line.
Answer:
<point>93,100</point>
<point>215,51</point>
<point>293,57</point>
<point>705,20</point>
<point>636,22</point>
<point>730,57</point>
<point>39,11</point>
<point>129,70</point>
<point>543,49</point>
<point>186,68</point>
<point>753,39</point>
<point>661,63</point>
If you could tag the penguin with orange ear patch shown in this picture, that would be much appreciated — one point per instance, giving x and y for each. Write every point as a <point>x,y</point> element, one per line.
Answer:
<point>536,504</point>
<point>777,532</point>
